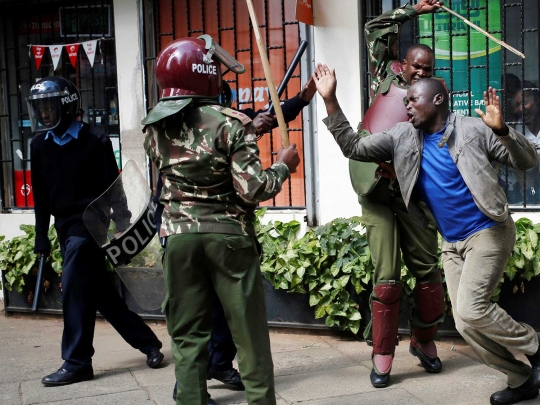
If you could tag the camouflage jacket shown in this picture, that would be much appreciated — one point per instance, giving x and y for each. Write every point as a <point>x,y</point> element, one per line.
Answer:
<point>382,34</point>
<point>212,174</point>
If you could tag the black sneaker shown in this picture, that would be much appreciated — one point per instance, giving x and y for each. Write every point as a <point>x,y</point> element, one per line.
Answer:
<point>231,378</point>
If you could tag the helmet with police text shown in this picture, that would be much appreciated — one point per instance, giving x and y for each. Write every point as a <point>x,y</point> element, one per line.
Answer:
<point>53,103</point>
<point>191,67</point>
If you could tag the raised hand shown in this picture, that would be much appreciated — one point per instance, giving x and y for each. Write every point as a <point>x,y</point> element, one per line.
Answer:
<point>493,117</point>
<point>427,6</point>
<point>325,80</point>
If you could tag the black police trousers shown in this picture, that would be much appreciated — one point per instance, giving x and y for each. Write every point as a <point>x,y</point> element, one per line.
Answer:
<point>86,287</point>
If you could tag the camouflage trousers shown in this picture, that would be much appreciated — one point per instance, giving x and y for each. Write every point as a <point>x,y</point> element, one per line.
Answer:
<point>195,264</point>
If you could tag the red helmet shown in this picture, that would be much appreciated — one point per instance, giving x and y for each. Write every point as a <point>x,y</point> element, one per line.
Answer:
<point>191,67</point>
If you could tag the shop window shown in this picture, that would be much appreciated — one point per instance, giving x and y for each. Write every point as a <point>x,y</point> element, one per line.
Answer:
<point>227,21</point>
<point>25,24</point>
<point>469,63</point>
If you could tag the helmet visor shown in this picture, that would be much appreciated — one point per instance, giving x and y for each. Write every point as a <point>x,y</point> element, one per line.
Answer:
<point>216,52</point>
<point>44,111</point>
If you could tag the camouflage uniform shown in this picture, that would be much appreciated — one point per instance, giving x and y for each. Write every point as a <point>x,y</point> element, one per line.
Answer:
<point>390,229</point>
<point>213,180</point>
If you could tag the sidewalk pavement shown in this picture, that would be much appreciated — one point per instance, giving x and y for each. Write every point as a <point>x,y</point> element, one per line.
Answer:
<point>310,369</point>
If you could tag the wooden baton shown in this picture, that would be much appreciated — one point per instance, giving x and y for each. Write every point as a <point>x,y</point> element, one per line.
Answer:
<point>268,73</point>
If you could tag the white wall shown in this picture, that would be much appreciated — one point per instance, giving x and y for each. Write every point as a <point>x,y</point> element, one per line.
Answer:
<point>337,43</point>
<point>130,80</point>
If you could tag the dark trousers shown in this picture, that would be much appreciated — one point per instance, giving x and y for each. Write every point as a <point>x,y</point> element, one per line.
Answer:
<point>87,288</point>
<point>221,348</point>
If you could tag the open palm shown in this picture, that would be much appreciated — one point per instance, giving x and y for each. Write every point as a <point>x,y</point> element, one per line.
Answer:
<point>492,117</point>
<point>325,80</point>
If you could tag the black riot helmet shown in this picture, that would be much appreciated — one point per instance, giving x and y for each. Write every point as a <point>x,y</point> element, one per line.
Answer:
<point>53,103</point>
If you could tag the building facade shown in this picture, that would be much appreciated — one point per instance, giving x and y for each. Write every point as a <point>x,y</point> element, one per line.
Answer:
<point>117,41</point>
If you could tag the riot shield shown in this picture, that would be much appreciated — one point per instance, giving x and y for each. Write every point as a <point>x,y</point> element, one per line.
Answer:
<point>121,221</point>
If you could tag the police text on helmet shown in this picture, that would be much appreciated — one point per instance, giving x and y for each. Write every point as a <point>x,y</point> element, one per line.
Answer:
<point>70,98</point>
<point>200,68</point>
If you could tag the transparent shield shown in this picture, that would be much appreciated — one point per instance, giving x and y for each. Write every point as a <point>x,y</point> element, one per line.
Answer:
<point>121,221</point>
<point>44,113</point>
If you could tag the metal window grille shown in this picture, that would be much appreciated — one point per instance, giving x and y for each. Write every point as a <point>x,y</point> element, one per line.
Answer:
<point>51,22</point>
<point>469,63</point>
<point>227,21</point>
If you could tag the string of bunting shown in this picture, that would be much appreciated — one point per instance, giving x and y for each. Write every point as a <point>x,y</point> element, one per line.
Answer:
<point>90,47</point>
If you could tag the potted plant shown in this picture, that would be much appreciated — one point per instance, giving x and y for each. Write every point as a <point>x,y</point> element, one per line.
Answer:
<point>19,268</point>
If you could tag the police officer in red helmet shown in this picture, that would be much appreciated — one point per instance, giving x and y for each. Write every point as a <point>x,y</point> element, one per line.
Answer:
<point>212,182</point>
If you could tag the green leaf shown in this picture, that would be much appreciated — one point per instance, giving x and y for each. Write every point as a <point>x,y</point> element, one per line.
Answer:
<point>314,299</point>
<point>533,236</point>
<point>319,312</point>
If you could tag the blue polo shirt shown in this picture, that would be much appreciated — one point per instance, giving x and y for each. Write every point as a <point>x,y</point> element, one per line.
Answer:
<point>445,193</point>
<point>71,133</point>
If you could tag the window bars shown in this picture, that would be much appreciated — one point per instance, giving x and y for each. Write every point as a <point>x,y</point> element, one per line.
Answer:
<point>51,22</point>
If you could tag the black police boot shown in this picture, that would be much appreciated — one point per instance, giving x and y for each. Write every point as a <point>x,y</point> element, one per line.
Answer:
<point>432,364</point>
<point>175,390</point>
<point>535,364</point>
<point>379,380</point>
<point>65,377</point>
<point>510,396</point>
<point>231,378</point>
<point>154,358</point>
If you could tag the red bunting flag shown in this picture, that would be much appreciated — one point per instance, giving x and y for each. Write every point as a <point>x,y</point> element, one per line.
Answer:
<point>73,51</point>
<point>38,52</point>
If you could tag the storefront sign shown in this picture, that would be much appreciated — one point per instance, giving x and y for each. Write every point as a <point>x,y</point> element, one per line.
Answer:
<point>467,47</point>
<point>304,11</point>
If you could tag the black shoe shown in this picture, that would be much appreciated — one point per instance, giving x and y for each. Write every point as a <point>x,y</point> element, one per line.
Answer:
<point>230,377</point>
<point>535,364</point>
<point>379,380</point>
<point>510,396</point>
<point>65,377</point>
<point>430,364</point>
<point>175,389</point>
<point>154,358</point>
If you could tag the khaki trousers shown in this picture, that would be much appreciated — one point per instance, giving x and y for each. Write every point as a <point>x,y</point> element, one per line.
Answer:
<point>473,268</point>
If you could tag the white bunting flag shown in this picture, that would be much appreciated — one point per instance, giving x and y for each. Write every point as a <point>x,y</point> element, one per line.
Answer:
<point>56,52</point>
<point>90,48</point>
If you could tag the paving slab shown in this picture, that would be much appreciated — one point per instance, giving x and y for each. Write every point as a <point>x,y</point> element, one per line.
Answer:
<point>290,342</point>
<point>387,397</point>
<point>323,384</point>
<point>138,397</point>
<point>9,394</point>
<point>105,382</point>
<point>306,360</point>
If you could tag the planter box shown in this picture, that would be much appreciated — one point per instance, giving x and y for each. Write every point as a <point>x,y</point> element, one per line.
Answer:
<point>50,302</point>
<point>283,309</point>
